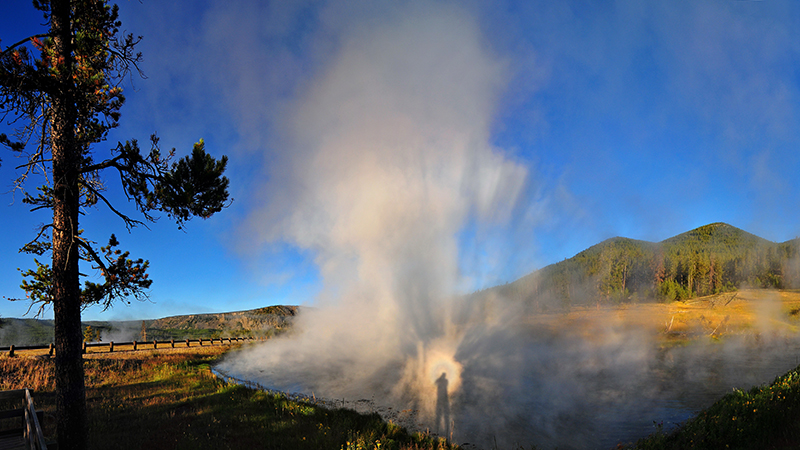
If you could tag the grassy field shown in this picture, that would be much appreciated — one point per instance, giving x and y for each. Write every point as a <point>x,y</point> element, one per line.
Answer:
<point>168,399</point>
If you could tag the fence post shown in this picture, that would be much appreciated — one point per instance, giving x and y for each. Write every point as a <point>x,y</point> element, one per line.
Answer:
<point>134,345</point>
<point>84,347</point>
<point>201,342</point>
<point>11,350</point>
<point>111,347</point>
<point>155,344</point>
<point>52,349</point>
<point>172,343</point>
<point>187,343</point>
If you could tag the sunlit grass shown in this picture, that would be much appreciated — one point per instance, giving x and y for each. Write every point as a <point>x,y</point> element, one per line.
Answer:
<point>745,312</point>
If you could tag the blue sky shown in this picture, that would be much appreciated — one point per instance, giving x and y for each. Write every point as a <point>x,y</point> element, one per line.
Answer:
<point>594,120</point>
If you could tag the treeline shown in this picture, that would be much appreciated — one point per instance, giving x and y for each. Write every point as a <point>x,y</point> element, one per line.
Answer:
<point>708,260</point>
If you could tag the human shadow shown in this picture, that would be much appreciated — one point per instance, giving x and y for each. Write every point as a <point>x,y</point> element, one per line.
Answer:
<point>442,407</point>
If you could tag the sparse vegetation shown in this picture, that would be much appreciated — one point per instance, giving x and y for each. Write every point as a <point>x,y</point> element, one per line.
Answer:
<point>169,399</point>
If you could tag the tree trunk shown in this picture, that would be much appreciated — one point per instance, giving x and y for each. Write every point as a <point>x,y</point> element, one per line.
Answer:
<point>70,387</point>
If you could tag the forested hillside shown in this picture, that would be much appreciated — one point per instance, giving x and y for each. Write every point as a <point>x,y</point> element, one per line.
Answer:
<point>708,260</point>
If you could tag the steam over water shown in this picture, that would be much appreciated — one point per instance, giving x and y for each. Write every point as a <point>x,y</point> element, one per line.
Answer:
<point>515,384</point>
<point>389,174</point>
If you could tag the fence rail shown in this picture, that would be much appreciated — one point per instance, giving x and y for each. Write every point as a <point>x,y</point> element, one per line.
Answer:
<point>130,346</point>
<point>29,435</point>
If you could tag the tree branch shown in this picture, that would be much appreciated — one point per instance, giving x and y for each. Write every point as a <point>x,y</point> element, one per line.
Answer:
<point>95,257</point>
<point>33,246</point>
<point>104,165</point>
<point>13,46</point>
<point>129,223</point>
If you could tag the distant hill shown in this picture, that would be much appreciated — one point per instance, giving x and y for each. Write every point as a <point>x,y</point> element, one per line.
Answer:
<point>260,322</point>
<point>25,332</point>
<point>256,322</point>
<point>707,260</point>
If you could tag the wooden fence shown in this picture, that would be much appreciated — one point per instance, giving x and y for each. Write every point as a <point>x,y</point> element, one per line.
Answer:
<point>29,435</point>
<point>97,347</point>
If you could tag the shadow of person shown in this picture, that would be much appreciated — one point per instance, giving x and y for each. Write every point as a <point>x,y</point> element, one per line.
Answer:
<point>442,407</point>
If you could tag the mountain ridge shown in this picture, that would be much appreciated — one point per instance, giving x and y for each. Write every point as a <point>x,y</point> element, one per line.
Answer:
<point>710,259</point>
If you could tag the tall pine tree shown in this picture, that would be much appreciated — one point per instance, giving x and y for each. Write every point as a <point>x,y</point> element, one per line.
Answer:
<point>62,89</point>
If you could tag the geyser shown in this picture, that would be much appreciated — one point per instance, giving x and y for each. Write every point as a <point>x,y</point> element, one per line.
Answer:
<point>390,160</point>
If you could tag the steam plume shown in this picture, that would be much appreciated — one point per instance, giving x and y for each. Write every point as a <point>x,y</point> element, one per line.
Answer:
<point>390,160</point>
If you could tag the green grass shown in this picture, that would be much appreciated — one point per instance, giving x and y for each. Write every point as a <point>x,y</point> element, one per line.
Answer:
<point>764,417</point>
<point>171,400</point>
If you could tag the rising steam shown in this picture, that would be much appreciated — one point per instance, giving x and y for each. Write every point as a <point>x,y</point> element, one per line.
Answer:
<point>390,159</point>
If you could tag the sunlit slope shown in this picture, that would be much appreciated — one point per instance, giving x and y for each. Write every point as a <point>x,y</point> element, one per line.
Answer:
<point>256,319</point>
<point>754,312</point>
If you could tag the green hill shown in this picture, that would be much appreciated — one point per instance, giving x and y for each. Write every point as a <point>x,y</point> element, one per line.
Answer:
<point>708,260</point>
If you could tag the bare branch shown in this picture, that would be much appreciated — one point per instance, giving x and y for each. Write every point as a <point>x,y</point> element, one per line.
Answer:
<point>129,223</point>
<point>95,257</point>
<point>42,229</point>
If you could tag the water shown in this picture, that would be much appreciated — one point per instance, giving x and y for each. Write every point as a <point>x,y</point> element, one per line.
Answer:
<point>595,399</point>
<point>557,390</point>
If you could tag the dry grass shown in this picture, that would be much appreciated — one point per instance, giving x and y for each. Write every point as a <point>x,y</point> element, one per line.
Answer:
<point>102,371</point>
<point>22,373</point>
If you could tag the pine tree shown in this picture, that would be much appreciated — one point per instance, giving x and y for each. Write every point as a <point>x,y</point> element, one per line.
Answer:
<point>66,99</point>
<point>91,334</point>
